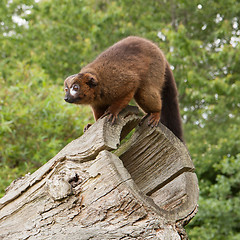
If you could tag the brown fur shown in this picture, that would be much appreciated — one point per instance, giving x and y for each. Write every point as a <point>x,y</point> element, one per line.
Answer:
<point>132,68</point>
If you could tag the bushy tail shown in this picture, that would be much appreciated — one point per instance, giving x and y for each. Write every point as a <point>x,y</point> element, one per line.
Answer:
<point>170,115</point>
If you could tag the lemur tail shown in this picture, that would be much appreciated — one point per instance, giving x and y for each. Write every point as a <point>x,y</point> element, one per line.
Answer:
<point>170,114</point>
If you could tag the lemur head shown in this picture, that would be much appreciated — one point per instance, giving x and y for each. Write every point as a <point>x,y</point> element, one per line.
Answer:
<point>80,88</point>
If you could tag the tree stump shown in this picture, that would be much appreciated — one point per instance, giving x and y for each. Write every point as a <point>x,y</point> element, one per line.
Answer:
<point>99,188</point>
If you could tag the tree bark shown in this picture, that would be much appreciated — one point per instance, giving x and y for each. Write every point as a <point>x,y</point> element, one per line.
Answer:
<point>98,188</point>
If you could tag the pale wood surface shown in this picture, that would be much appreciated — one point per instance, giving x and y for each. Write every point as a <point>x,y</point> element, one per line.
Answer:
<point>147,189</point>
<point>161,166</point>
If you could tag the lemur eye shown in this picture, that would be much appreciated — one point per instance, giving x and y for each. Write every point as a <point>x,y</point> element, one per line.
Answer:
<point>66,89</point>
<point>75,87</point>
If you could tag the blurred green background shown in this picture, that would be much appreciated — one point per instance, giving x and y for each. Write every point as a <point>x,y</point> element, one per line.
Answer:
<point>44,41</point>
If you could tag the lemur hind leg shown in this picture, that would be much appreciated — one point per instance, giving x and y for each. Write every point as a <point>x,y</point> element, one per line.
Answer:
<point>151,104</point>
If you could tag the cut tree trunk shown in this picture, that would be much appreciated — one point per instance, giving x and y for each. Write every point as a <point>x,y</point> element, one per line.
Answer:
<point>100,188</point>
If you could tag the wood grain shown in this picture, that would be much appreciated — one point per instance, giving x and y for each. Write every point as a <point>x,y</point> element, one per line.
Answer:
<point>146,189</point>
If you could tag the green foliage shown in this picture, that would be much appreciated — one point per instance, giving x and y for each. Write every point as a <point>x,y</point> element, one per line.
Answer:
<point>42,42</point>
<point>35,121</point>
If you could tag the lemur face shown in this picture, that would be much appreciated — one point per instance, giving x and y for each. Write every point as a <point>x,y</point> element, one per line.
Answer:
<point>80,88</point>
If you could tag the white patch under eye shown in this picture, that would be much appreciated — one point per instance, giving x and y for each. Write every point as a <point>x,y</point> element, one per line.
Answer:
<point>73,92</point>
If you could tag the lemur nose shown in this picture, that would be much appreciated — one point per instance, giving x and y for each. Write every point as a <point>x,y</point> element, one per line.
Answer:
<point>69,99</point>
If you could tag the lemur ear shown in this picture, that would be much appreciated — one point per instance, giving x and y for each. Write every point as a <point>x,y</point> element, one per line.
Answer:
<point>92,81</point>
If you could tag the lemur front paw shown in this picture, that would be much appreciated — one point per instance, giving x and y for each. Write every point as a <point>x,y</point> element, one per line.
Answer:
<point>87,127</point>
<point>112,117</point>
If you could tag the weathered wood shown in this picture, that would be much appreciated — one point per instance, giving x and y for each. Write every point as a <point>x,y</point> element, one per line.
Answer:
<point>161,166</point>
<point>147,189</point>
